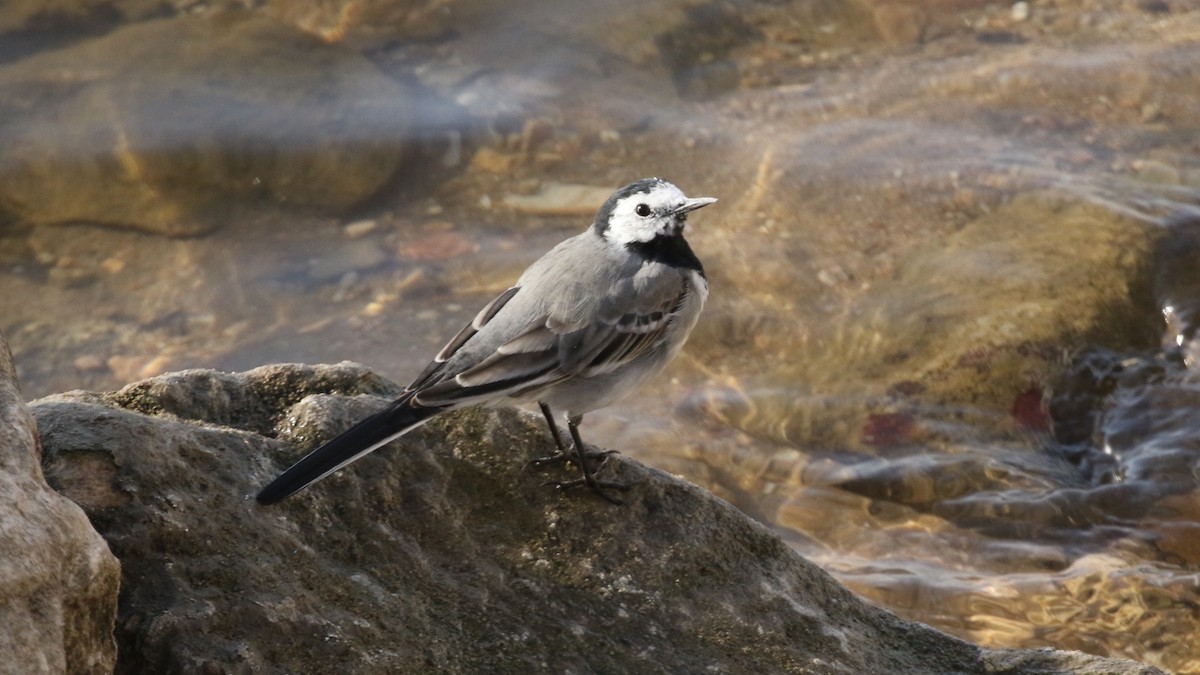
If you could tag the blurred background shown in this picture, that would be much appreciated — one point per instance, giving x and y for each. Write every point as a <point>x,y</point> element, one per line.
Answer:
<point>950,352</point>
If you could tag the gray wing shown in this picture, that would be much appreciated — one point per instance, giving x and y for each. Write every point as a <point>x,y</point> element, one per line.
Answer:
<point>438,364</point>
<point>577,337</point>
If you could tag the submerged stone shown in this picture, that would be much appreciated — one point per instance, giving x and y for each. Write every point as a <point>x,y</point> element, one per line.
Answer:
<point>159,124</point>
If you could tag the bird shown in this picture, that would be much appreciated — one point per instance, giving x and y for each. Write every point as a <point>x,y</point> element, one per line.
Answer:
<point>593,319</point>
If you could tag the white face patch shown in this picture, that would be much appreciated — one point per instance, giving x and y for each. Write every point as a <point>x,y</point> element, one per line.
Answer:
<point>642,216</point>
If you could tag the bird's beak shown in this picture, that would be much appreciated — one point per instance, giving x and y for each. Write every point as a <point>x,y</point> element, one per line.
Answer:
<point>693,204</point>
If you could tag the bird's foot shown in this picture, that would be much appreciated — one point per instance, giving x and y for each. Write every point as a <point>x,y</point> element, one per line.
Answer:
<point>597,486</point>
<point>568,457</point>
<point>583,460</point>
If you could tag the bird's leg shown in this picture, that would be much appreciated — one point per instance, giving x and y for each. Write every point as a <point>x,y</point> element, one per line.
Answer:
<point>562,449</point>
<point>589,478</point>
<point>563,455</point>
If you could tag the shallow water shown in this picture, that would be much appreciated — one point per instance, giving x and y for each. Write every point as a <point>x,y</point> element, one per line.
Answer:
<point>935,357</point>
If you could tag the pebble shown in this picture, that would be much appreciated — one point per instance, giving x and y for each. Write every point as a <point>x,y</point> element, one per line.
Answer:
<point>360,228</point>
<point>1020,11</point>
<point>437,246</point>
<point>89,362</point>
<point>360,255</point>
<point>132,368</point>
<point>490,160</point>
<point>70,276</point>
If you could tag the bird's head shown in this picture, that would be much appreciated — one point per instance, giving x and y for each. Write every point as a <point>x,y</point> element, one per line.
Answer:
<point>645,210</point>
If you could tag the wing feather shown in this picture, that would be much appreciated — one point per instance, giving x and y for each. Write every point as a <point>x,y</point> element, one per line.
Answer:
<point>538,338</point>
<point>554,345</point>
<point>481,319</point>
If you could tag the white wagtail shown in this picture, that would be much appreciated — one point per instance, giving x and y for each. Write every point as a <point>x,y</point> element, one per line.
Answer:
<point>588,323</point>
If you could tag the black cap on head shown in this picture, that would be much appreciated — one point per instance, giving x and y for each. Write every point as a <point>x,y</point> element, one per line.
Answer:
<point>644,186</point>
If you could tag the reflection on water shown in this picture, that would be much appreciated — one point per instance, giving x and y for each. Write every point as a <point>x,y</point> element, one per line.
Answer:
<point>934,358</point>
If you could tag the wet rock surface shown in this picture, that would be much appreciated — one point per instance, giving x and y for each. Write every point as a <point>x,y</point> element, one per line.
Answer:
<point>441,552</point>
<point>965,327</point>
<point>1177,288</point>
<point>58,579</point>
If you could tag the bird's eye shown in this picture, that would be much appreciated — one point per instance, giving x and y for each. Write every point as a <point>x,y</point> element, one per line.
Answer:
<point>642,210</point>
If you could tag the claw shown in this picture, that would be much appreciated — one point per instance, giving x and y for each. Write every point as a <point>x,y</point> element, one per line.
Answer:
<point>569,458</point>
<point>597,486</point>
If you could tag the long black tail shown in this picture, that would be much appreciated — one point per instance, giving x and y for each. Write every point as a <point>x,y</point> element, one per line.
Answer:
<point>380,428</point>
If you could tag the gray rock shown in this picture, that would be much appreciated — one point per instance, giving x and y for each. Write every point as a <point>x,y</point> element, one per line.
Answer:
<point>442,553</point>
<point>58,580</point>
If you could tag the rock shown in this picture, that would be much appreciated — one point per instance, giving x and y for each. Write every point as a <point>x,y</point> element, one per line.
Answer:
<point>58,579</point>
<point>157,123</point>
<point>360,228</point>
<point>560,199</point>
<point>697,51</point>
<point>42,18</point>
<point>441,553</point>
<point>351,257</point>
